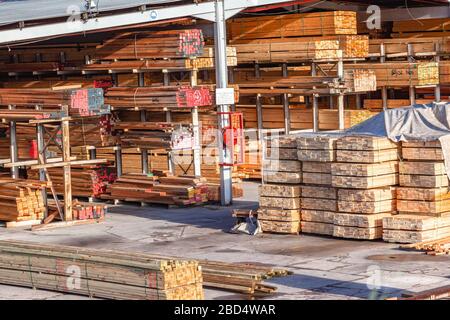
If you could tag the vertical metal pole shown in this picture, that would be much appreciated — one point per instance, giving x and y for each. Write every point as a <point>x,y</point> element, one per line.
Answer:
<point>13,146</point>
<point>226,183</point>
<point>315,101</point>
<point>143,117</point>
<point>384,93</point>
<point>287,113</point>
<point>341,96</point>
<point>196,130</point>
<point>437,58</point>
<point>412,90</point>
<point>118,159</point>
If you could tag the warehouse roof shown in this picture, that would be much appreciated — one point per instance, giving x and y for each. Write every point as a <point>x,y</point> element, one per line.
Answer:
<point>12,11</point>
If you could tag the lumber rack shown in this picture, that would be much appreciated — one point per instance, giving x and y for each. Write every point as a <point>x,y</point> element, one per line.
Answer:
<point>45,137</point>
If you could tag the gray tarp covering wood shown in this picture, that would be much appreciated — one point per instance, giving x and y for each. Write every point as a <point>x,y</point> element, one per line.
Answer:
<point>424,122</point>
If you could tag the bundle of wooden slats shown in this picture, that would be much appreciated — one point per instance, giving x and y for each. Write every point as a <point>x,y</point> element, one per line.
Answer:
<point>279,199</point>
<point>82,102</point>
<point>154,98</point>
<point>21,200</point>
<point>90,181</point>
<point>156,44</point>
<point>168,190</point>
<point>154,135</point>
<point>366,170</point>
<point>401,74</point>
<point>318,196</point>
<point>293,25</point>
<point>421,28</point>
<point>30,67</point>
<point>419,47</point>
<point>423,200</point>
<point>432,247</point>
<point>102,273</point>
<point>377,104</point>
<point>24,139</point>
<point>299,49</point>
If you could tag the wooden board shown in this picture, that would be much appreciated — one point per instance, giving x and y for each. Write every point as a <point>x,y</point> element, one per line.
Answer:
<point>367,156</point>
<point>281,154</point>
<point>365,143</point>
<point>324,179</point>
<point>364,182</point>
<point>282,191</point>
<point>282,227</point>
<point>315,204</point>
<point>410,180</point>
<point>360,220</point>
<point>280,203</point>
<point>319,167</point>
<point>325,229</point>
<point>429,154</point>
<point>423,194</point>
<point>364,169</point>
<point>434,208</point>
<point>380,194</point>
<point>278,215</point>
<point>319,192</point>
<point>367,207</point>
<point>282,177</point>
<point>282,165</point>
<point>422,168</point>
<point>358,233</point>
<point>318,216</point>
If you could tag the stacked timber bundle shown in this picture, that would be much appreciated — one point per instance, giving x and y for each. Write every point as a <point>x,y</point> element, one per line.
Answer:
<point>423,200</point>
<point>318,198</point>
<point>104,274</point>
<point>25,135</point>
<point>293,25</point>
<point>154,135</point>
<point>158,98</point>
<point>167,190</point>
<point>90,181</point>
<point>21,200</point>
<point>421,28</point>
<point>92,131</point>
<point>365,171</point>
<point>171,44</point>
<point>279,200</point>
<point>302,49</point>
<point>401,74</point>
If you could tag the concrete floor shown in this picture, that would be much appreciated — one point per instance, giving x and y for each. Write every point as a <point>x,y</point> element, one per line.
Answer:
<point>324,268</point>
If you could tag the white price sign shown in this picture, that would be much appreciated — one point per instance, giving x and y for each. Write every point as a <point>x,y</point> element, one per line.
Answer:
<point>225,96</point>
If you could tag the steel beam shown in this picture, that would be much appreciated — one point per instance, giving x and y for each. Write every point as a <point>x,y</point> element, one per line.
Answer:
<point>204,10</point>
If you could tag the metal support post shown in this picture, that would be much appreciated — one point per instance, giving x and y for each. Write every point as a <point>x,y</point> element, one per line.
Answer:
<point>196,131</point>
<point>412,89</point>
<point>226,183</point>
<point>437,59</point>
<point>315,102</point>
<point>13,146</point>
<point>287,113</point>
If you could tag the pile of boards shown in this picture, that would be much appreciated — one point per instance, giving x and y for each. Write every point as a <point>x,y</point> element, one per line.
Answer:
<point>163,189</point>
<point>355,187</point>
<point>102,273</point>
<point>88,181</point>
<point>154,135</point>
<point>158,98</point>
<point>21,200</point>
<point>423,198</point>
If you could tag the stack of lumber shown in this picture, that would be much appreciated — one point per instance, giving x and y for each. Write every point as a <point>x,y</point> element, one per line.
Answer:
<point>423,200</point>
<point>149,45</point>
<point>154,135</point>
<point>279,199</point>
<point>103,273</point>
<point>432,247</point>
<point>420,47</point>
<point>318,198</point>
<point>167,190</point>
<point>92,131</point>
<point>421,28</point>
<point>302,49</point>
<point>81,211</point>
<point>158,98</point>
<point>25,135</point>
<point>293,25</point>
<point>88,181</point>
<point>365,171</point>
<point>21,200</point>
<point>377,104</point>
<point>401,74</point>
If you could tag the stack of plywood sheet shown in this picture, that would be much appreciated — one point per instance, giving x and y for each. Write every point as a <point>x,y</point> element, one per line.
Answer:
<point>318,198</point>
<point>423,200</point>
<point>280,195</point>
<point>365,171</point>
